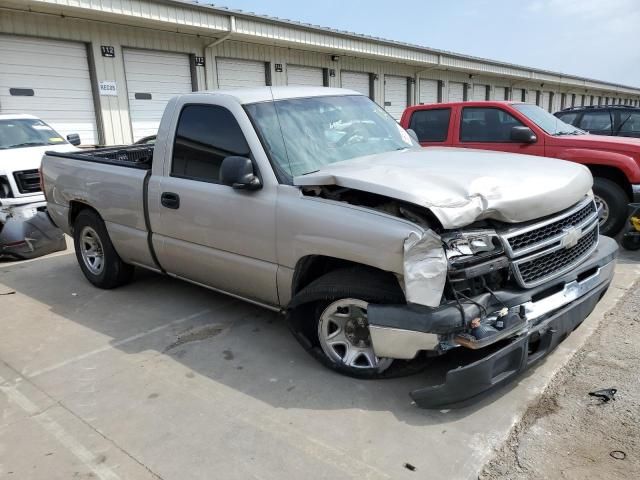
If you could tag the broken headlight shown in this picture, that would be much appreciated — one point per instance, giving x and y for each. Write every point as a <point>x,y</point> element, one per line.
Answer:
<point>475,252</point>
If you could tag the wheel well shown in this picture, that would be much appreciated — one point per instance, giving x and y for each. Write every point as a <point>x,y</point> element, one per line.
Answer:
<point>312,267</point>
<point>75,207</point>
<point>613,174</point>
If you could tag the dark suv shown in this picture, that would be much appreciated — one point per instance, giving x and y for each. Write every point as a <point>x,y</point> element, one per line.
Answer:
<point>616,120</point>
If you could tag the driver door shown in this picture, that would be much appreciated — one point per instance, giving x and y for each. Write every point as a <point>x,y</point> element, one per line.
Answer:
<point>211,233</point>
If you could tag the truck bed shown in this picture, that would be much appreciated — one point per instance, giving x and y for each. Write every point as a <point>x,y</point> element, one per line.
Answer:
<point>132,156</point>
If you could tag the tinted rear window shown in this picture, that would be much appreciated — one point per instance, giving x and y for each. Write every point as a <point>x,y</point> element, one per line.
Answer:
<point>431,125</point>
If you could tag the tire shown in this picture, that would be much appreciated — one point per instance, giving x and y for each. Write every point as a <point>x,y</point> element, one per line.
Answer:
<point>96,256</point>
<point>630,243</point>
<point>308,320</point>
<point>614,201</point>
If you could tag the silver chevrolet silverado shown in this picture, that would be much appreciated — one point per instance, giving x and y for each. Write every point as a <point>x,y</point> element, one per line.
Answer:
<point>316,203</point>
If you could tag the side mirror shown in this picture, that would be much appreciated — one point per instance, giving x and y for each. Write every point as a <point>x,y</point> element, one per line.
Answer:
<point>413,134</point>
<point>523,135</point>
<point>237,172</point>
<point>73,139</point>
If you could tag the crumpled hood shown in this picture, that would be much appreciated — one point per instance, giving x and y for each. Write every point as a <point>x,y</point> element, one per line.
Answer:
<point>462,185</point>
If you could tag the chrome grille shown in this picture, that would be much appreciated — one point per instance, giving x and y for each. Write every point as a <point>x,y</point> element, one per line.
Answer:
<point>556,262</point>
<point>545,250</point>
<point>540,234</point>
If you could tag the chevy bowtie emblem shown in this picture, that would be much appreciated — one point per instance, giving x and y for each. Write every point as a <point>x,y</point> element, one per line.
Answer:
<point>571,237</point>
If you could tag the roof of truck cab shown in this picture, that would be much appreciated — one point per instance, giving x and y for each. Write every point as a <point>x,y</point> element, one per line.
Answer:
<point>265,94</point>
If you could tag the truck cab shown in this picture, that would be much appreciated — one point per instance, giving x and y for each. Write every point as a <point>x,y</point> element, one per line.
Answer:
<point>527,129</point>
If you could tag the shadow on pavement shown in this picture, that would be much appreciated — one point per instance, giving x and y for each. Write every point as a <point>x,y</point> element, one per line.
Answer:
<point>228,341</point>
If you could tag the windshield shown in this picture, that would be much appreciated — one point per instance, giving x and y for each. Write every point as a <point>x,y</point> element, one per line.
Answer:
<point>27,132</point>
<point>303,135</point>
<point>547,122</point>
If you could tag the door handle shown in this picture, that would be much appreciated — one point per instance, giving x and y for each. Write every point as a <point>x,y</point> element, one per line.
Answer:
<point>170,200</point>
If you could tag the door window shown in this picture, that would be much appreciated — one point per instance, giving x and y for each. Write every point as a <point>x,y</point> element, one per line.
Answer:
<point>629,122</point>
<point>431,125</point>
<point>481,124</point>
<point>597,121</point>
<point>569,118</point>
<point>206,134</point>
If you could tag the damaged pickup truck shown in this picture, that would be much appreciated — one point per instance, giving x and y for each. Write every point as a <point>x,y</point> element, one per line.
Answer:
<point>315,202</point>
<point>25,229</point>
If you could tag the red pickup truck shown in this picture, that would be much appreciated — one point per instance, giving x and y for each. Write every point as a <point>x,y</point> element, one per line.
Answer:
<point>528,129</point>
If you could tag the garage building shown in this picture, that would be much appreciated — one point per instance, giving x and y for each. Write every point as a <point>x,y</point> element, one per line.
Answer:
<point>105,70</point>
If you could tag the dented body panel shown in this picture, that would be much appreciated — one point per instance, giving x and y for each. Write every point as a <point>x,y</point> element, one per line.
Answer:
<point>461,186</point>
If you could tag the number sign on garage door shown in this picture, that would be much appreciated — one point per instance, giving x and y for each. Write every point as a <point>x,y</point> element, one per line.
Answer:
<point>395,95</point>
<point>456,92</point>
<point>301,76</point>
<point>428,91</point>
<point>357,81</point>
<point>49,79</point>
<point>236,73</point>
<point>152,79</point>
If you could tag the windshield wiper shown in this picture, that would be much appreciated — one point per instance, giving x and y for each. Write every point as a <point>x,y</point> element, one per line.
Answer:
<point>27,144</point>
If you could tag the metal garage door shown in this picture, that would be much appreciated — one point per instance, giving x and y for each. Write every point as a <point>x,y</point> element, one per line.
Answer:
<point>395,95</point>
<point>456,92</point>
<point>357,81</point>
<point>545,100</point>
<point>499,93</point>
<point>516,94</point>
<point>49,79</point>
<point>236,73</point>
<point>428,91</point>
<point>299,75</point>
<point>152,79</point>
<point>479,92</point>
<point>531,96</point>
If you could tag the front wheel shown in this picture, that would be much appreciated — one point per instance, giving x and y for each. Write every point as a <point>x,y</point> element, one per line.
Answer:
<point>329,319</point>
<point>612,202</point>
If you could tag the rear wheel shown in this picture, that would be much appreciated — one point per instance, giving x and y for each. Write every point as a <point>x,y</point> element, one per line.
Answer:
<point>612,202</point>
<point>329,319</point>
<point>96,256</point>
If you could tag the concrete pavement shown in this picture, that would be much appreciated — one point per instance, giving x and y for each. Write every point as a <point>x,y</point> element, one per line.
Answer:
<point>162,379</point>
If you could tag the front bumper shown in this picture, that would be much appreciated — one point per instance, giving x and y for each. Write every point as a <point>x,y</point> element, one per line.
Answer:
<point>549,319</point>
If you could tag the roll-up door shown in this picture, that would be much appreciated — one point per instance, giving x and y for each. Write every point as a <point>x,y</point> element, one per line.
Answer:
<point>49,79</point>
<point>395,95</point>
<point>456,92</point>
<point>358,81</point>
<point>546,98</point>
<point>499,93</point>
<point>479,92</point>
<point>153,77</point>
<point>236,73</point>
<point>516,94</point>
<point>531,96</point>
<point>301,76</point>
<point>428,91</point>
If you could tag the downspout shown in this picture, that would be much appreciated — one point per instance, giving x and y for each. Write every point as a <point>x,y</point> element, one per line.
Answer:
<point>232,30</point>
